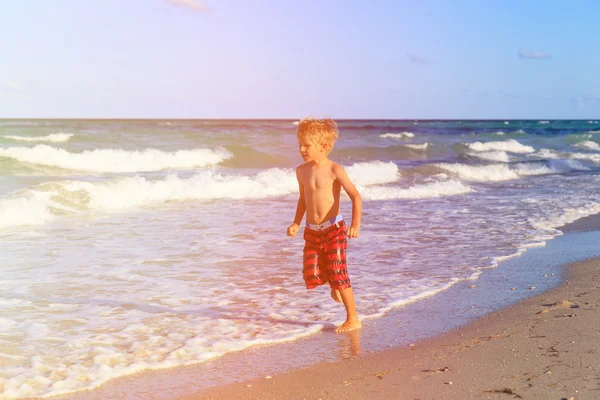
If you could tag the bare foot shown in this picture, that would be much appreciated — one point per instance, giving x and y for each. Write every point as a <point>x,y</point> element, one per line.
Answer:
<point>350,325</point>
<point>336,295</point>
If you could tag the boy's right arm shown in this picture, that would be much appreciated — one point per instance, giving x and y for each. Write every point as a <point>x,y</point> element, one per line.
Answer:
<point>300,210</point>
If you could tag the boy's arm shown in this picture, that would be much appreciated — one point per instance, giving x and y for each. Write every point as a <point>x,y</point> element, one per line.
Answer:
<point>300,210</point>
<point>352,192</point>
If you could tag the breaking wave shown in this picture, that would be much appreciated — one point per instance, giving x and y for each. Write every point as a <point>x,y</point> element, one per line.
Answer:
<point>399,135</point>
<point>53,137</point>
<point>511,146</point>
<point>116,160</point>
<point>505,172</point>
<point>44,202</point>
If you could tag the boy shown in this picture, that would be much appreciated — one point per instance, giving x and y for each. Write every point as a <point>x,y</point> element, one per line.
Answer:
<point>320,181</point>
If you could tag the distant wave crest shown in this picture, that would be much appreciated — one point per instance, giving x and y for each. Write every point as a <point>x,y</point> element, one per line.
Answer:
<point>497,156</point>
<point>399,135</point>
<point>423,191</point>
<point>588,144</point>
<point>505,172</point>
<point>115,160</point>
<point>53,137</point>
<point>511,146</point>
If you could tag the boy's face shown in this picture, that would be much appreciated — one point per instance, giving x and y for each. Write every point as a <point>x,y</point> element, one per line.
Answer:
<point>309,150</point>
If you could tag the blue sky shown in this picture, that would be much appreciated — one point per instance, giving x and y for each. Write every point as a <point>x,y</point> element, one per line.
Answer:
<point>288,59</point>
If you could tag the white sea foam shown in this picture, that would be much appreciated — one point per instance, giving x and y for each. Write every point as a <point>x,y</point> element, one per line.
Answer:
<point>53,137</point>
<point>520,131</point>
<point>543,122</point>
<point>429,190</point>
<point>127,347</point>
<point>115,160</point>
<point>564,217</point>
<point>129,192</point>
<point>35,330</point>
<point>6,323</point>
<point>20,123</point>
<point>26,208</point>
<point>500,133</point>
<point>588,144</point>
<point>418,146</point>
<point>497,260</point>
<point>498,156</point>
<point>568,157</point>
<point>506,122</point>
<point>398,135</point>
<point>373,173</point>
<point>534,169</point>
<point>593,131</point>
<point>430,289</point>
<point>511,146</point>
<point>504,172</point>
<point>44,202</point>
<point>595,158</point>
<point>545,153</point>
<point>481,173</point>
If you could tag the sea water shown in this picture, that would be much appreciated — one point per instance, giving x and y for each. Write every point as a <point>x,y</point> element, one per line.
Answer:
<point>128,245</point>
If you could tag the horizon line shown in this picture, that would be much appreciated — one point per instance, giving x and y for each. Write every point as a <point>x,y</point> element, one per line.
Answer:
<point>286,119</point>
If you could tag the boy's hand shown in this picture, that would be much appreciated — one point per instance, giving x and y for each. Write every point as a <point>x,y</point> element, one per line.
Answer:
<point>292,230</point>
<point>353,232</point>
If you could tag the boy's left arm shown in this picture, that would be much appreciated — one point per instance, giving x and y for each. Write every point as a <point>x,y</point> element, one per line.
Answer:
<point>352,192</point>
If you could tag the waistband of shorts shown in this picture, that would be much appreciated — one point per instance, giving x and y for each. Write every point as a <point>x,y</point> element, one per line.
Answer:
<point>326,224</point>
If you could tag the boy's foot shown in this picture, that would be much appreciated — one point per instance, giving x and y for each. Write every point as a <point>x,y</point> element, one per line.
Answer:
<point>350,325</point>
<point>336,295</point>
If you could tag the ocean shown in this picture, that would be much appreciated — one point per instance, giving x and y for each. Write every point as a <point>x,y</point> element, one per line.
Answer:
<point>129,245</point>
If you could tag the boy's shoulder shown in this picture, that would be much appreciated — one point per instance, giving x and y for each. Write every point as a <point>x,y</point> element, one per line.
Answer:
<point>335,165</point>
<point>303,166</point>
<point>336,168</point>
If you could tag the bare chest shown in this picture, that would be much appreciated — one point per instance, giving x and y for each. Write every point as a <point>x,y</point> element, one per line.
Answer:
<point>318,182</point>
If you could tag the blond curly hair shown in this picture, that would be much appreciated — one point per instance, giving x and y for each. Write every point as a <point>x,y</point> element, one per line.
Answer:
<point>319,131</point>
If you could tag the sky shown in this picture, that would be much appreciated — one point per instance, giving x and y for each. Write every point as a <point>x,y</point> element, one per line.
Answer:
<point>371,59</point>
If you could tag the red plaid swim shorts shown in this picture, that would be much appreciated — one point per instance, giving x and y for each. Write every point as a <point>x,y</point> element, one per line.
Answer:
<point>325,257</point>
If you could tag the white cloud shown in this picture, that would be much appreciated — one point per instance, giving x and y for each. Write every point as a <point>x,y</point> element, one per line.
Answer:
<point>417,59</point>
<point>11,85</point>
<point>533,55</point>
<point>11,89</point>
<point>189,4</point>
<point>582,100</point>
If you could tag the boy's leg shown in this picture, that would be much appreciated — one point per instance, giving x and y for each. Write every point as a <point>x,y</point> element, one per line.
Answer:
<point>335,254</point>
<point>352,321</point>
<point>336,295</point>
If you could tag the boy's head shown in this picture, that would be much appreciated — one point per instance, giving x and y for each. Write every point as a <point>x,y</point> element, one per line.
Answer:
<point>322,132</point>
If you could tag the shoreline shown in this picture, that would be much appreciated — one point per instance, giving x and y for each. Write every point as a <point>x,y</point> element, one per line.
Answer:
<point>540,348</point>
<point>406,328</point>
